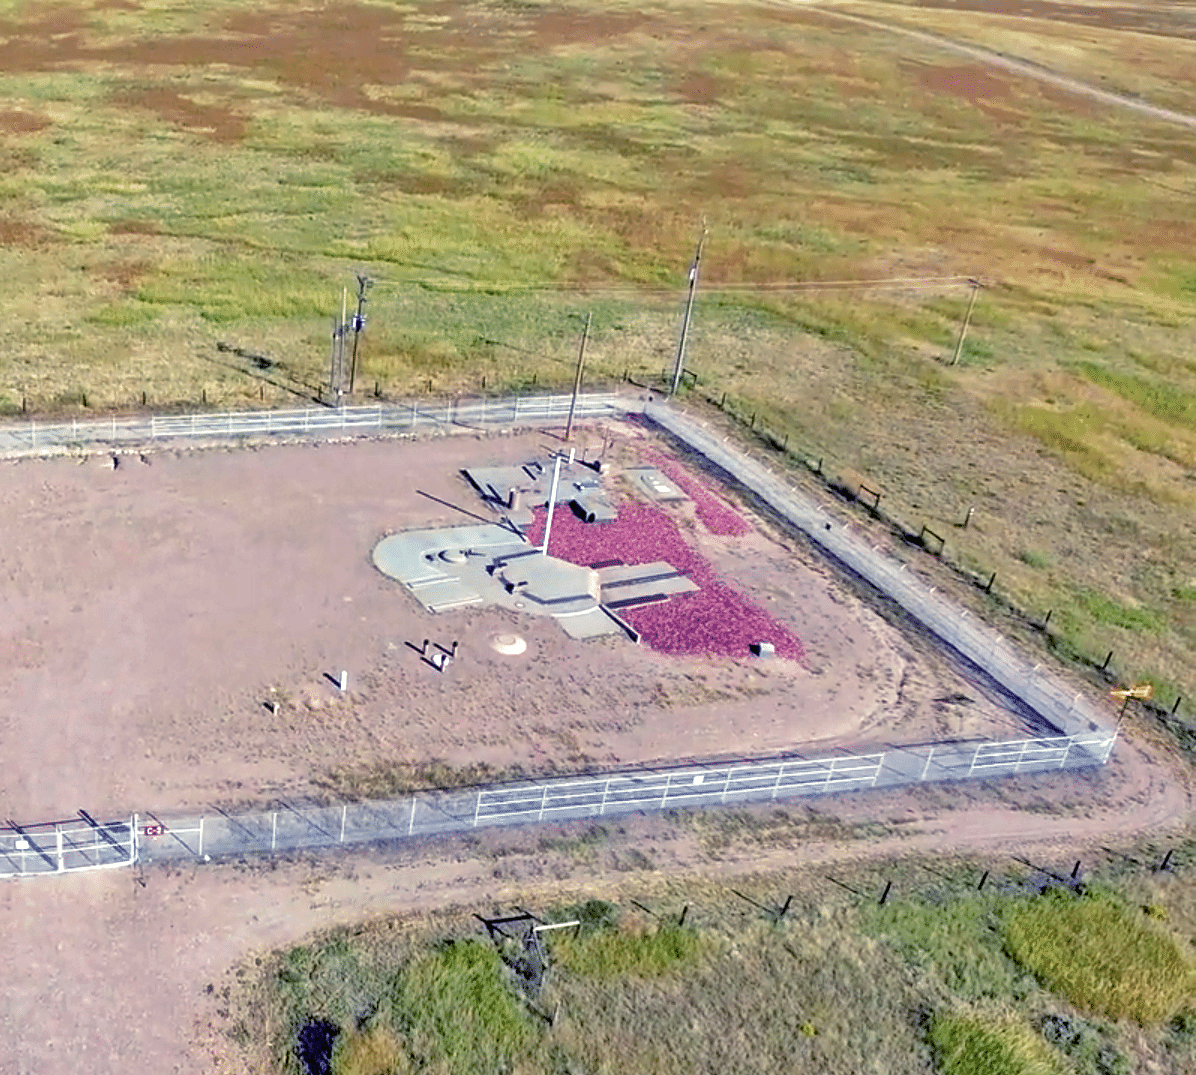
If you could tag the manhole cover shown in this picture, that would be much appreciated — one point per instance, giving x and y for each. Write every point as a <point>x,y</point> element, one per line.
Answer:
<point>508,644</point>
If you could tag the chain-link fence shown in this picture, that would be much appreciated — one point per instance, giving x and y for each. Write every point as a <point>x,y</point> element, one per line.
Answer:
<point>293,827</point>
<point>1056,707</point>
<point>44,438</point>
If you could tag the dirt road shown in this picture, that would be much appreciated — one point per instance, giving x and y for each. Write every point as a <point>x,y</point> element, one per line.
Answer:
<point>105,975</point>
<point>1018,67</point>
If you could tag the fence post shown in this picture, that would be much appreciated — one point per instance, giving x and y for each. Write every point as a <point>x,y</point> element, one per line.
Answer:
<point>726,784</point>
<point>58,834</point>
<point>411,822</point>
<point>665,797</point>
<point>344,812</point>
<point>777,785</point>
<point>926,767</point>
<point>975,757</point>
<point>543,802</point>
<point>879,765</point>
<point>200,852</point>
<point>477,808</point>
<point>1021,754</point>
<point>605,793</point>
<point>1067,750</point>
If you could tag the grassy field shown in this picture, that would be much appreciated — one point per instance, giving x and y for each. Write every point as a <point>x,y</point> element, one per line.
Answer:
<point>189,188</point>
<point>761,974</point>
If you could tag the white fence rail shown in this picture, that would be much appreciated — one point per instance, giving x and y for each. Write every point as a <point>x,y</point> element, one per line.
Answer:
<point>67,846</point>
<point>31,438</point>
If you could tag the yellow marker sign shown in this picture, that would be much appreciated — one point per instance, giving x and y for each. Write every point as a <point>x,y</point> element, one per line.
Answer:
<point>1142,691</point>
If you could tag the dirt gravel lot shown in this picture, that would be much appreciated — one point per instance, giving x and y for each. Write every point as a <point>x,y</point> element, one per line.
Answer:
<point>148,612</point>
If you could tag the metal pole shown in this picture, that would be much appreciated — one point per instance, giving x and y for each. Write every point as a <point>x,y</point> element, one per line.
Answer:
<point>363,282</point>
<point>344,811</point>
<point>967,320</point>
<point>411,822</point>
<point>926,767</point>
<point>665,797</point>
<point>543,802</point>
<point>689,309</point>
<point>200,853</point>
<point>581,357</point>
<point>556,477</point>
<point>605,793</point>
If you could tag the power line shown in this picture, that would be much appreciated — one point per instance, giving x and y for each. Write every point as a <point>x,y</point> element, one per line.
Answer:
<point>892,282</point>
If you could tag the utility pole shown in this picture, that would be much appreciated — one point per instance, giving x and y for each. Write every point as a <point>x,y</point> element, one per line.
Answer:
<point>967,320</point>
<point>363,284</point>
<point>581,357</point>
<point>689,309</point>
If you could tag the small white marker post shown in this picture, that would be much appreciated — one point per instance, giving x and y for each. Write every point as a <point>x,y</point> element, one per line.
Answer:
<point>556,477</point>
<point>344,683</point>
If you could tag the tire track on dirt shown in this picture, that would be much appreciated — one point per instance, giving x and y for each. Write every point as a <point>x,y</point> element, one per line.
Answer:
<point>1026,68</point>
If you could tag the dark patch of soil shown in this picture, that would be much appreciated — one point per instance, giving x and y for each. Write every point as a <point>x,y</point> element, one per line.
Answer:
<point>216,121</point>
<point>17,121</point>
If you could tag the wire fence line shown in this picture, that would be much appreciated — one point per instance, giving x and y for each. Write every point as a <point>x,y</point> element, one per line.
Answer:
<point>61,847</point>
<point>44,438</point>
<point>1042,697</point>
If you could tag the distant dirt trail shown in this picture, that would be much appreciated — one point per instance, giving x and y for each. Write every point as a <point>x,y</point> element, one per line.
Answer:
<point>1019,67</point>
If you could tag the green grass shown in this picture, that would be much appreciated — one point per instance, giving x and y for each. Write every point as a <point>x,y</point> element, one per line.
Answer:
<point>969,1046</point>
<point>1103,957</point>
<point>612,954</point>
<point>942,976</point>
<point>459,1012</point>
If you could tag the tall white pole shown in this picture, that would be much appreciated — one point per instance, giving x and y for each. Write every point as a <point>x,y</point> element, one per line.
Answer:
<point>679,366</point>
<point>556,477</point>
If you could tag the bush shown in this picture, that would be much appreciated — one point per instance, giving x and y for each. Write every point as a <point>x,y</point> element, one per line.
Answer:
<point>1102,956</point>
<point>968,1046</point>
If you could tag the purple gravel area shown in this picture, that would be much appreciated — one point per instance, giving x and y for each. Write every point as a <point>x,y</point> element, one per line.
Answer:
<point>716,621</point>
<point>715,515</point>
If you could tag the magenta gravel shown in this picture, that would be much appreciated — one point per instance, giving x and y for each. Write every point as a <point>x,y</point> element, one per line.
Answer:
<point>716,621</point>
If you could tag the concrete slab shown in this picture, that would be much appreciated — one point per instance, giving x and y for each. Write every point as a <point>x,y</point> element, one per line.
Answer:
<point>654,485</point>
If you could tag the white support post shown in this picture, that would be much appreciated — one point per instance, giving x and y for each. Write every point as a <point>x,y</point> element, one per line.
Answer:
<point>605,793</point>
<point>777,786</point>
<point>926,767</point>
<point>1066,751</point>
<point>477,809</point>
<point>414,415</point>
<point>411,821</point>
<point>1021,754</point>
<point>975,755</point>
<point>344,812</point>
<point>58,833</point>
<point>556,477</point>
<point>667,784</point>
<point>193,425</point>
<point>200,852</point>
<point>876,774</point>
<point>829,773</point>
<point>274,831</point>
<point>1109,751</point>
<point>726,784</point>
<point>543,802</point>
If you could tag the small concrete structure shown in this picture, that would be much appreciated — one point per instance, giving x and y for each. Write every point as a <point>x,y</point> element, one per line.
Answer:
<point>493,564</point>
<point>654,485</point>
<point>515,491</point>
